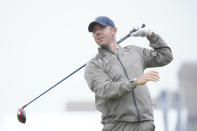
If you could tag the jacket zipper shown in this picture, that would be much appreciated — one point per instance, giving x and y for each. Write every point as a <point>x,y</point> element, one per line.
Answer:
<point>138,114</point>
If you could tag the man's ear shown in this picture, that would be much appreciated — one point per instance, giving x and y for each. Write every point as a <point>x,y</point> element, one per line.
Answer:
<point>114,29</point>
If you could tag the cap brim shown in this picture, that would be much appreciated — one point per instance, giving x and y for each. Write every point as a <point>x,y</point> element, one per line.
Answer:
<point>92,24</point>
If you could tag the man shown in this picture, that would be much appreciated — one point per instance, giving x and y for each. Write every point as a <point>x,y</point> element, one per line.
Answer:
<point>116,76</point>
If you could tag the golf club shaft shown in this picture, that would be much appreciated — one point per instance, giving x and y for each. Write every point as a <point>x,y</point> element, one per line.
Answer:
<point>128,35</point>
<point>54,85</point>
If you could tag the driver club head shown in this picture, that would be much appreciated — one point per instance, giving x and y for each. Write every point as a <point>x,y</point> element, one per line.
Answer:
<point>21,115</point>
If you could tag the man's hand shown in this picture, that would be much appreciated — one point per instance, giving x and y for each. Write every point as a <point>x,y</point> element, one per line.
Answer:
<point>148,76</point>
<point>142,32</point>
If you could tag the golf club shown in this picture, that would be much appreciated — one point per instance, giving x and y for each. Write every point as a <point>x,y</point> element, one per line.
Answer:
<point>21,115</point>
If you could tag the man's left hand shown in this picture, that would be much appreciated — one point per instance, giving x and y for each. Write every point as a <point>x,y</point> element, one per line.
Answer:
<point>142,32</point>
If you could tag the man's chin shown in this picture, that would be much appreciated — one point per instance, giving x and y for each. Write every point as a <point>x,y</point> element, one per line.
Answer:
<point>102,44</point>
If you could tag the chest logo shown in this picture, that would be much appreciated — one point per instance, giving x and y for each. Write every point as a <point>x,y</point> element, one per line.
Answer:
<point>126,50</point>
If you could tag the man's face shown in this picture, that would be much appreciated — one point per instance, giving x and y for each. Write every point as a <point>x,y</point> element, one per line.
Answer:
<point>104,35</point>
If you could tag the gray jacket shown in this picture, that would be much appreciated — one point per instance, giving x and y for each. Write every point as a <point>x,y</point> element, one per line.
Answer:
<point>109,75</point>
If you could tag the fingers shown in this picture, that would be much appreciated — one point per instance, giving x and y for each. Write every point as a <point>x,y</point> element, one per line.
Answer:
<point>153,76</point>
<point>153,79</point>
<point>148,76</point>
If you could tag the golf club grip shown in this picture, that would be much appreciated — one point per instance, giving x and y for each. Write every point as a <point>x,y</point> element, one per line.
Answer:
<point>128,35</point>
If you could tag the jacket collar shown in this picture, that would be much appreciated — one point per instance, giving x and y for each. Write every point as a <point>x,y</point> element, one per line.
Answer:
<point>105,52</point>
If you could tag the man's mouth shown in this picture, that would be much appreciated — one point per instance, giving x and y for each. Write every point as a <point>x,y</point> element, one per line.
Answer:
<point>100,38</point>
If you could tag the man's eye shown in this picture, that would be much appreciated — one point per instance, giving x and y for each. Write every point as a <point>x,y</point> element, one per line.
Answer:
<point>102,27</point>
<point>98,28</point>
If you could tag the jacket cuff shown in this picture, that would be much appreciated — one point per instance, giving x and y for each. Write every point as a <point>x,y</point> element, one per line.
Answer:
<point>151,37</point>
<point>130,85</point>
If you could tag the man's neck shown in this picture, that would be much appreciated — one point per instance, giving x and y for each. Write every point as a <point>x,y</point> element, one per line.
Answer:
<point>112,47</point>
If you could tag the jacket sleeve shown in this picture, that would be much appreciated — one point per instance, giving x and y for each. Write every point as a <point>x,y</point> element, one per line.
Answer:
<point>99,82</point>
<point>160,55</point>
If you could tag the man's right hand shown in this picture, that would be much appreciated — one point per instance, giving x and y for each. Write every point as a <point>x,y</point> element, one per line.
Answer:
<point>148,76</point>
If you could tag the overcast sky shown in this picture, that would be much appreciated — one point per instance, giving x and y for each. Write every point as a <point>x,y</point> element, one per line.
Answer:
<point>42,41</point>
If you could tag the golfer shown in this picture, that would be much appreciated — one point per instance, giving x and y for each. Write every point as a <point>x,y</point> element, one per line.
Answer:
<point>116,76</point>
